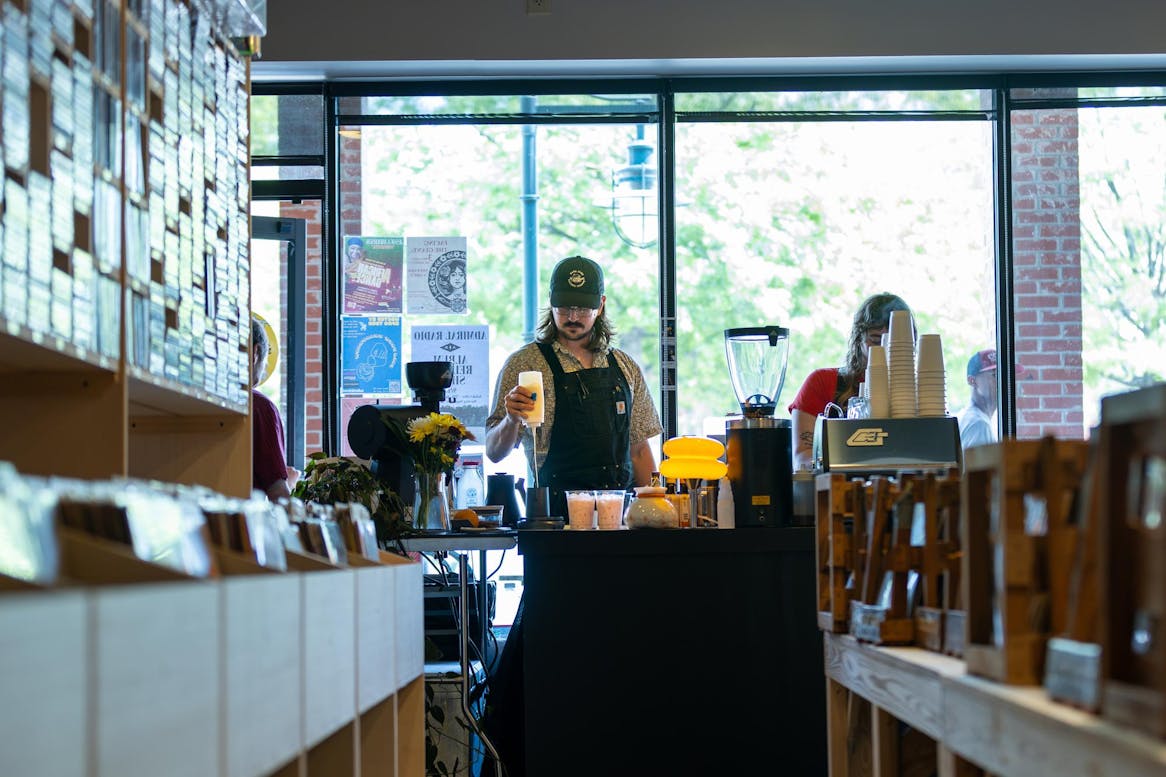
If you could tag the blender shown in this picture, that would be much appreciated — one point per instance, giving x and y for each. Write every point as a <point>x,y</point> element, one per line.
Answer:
<point>759,447</point>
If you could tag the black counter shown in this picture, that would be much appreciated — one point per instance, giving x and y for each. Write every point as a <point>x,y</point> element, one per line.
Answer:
<point>685,652</point>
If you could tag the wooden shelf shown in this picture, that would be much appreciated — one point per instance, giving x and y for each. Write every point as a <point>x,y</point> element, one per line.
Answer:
<point>156,679</point>
<point>264,686</point>
<point>22,350</point>
<point>1011,731</point>
<point>48,639</point>
<point>151,395</point>
<point>249,676</point>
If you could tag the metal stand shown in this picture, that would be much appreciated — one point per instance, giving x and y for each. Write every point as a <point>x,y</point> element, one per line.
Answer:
<point>463,633</point>
<point>462,545</point>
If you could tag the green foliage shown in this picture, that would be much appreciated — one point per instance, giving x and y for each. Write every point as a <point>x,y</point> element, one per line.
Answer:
<point>920,100</point>
<point>264,125</point>
<point>328,480</point>
<point>1123,248</point>
<point>789,223</point>
<point>437,729</point>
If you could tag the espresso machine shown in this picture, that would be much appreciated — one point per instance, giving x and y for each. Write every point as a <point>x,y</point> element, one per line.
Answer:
<point>368,430</point>
<point>758,446</point>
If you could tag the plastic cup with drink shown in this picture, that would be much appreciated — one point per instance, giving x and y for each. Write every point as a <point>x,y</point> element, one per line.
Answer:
<point>581,510</point>
<point>609,508</point>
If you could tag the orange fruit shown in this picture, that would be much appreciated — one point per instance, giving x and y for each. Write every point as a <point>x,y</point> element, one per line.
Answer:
<point>466,514</point>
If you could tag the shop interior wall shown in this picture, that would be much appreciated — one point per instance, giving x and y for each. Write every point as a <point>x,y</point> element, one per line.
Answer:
<point>501,30</point>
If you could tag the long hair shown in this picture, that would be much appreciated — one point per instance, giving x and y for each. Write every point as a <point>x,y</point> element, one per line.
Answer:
<point>602,333</point>
<point>874,313</point>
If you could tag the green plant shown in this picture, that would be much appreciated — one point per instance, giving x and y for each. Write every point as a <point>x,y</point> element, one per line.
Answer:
<point>332,479</point>
<point>439,727</point>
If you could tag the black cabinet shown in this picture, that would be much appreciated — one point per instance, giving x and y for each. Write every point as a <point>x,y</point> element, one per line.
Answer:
<point>687,652</point>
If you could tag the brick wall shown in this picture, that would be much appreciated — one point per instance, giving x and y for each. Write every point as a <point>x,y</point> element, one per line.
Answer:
<point>1046,229</point>
<point>313,357</point>
<point>350,223</point>
<point>351,220</point>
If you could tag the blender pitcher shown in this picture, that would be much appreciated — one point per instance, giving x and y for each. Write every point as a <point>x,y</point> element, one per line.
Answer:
<point>757,359</point>
<point>758,446</point>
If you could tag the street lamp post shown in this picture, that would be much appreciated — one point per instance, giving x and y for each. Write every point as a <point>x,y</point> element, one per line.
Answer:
<point>634,211</point>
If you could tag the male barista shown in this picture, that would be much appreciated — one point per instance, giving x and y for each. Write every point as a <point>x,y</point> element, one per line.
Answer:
<point>599,415</point>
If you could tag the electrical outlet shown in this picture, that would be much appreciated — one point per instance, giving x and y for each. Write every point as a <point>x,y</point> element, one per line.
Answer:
<point>538,7</point>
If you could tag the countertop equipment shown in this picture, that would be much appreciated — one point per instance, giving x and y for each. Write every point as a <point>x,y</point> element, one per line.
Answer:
<point>759,447</point>
<point>506,490</point>
<point>869,446</point>
<point>368,434</point>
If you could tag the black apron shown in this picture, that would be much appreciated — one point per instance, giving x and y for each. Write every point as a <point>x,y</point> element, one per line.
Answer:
<point>590,445</point>
<point>589,448</point>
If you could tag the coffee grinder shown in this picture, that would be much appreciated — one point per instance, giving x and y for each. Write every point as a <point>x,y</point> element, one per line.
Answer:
<point>759,447</point>
<point>368,430</point>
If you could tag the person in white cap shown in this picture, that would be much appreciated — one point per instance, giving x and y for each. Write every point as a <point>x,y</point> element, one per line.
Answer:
<point>975,420</point>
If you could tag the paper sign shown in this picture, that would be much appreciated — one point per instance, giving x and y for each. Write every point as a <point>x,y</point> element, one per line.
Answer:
<point>437,270</point>
<point>467,349</point>
<point>371,359</point>
<point>372,274</point>
<point>348,406</point>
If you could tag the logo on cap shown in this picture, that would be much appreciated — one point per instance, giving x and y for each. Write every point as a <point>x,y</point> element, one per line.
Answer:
<point>575,278</point>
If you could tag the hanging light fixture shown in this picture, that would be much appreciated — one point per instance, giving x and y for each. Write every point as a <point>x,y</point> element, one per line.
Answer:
<point>634,203</point>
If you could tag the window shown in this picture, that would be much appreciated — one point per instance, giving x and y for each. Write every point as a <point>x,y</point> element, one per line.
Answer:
<point>526,181</point>
<point>1089,248</point>
<point>287,183</point>
<point>523,195</point>
<point>795,207</point>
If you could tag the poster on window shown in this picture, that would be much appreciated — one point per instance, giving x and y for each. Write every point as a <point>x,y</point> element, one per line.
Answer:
<point>348,406</point>
<point>373,269</point>
<point>467,349</point>
<point>370,363</point>
<point>436,268</point>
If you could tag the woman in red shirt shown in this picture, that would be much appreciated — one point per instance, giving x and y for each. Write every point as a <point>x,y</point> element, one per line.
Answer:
<point>838,384</point>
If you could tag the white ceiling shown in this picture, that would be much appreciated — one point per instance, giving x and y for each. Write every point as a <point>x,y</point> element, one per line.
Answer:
<point>478,69</point>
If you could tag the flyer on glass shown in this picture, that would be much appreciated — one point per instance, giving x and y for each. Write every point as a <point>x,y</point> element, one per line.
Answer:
<point>436,269</point>
<point>467,349</point>
<point>348,406</point>
<point>373,269</point>
<point>371,356</point>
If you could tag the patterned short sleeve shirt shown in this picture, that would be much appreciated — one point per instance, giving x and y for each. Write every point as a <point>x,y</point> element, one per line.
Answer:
<point>645,420</point>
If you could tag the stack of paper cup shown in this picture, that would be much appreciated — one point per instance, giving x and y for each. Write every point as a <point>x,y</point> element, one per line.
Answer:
<point>930,390</point>
<point>878,382</point>
<point>901,365</point>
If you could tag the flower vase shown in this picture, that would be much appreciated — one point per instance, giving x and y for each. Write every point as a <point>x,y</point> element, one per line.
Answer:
<point>430,505</point>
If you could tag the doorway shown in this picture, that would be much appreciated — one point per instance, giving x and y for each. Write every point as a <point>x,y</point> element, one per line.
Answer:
<point>278,286</point>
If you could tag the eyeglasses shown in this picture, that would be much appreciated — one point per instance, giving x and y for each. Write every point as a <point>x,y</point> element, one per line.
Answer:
<point>574,312</point>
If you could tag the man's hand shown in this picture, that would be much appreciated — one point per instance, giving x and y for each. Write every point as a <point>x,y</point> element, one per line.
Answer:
<point>503,438</point>
<point>519,402</point>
